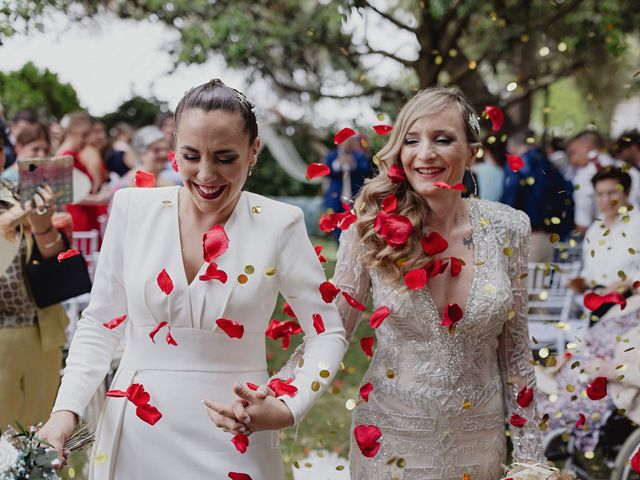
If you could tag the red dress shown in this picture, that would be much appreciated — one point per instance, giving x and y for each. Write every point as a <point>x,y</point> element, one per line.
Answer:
<point>85,217</point>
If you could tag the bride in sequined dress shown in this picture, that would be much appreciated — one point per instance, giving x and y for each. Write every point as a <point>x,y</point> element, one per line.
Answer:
<point>452,365</point>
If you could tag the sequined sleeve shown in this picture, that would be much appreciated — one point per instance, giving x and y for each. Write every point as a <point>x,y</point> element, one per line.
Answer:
<point>514,353</point>
<point>350,276</point>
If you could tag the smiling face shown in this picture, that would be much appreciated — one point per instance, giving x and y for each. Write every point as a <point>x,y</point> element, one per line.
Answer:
<point>435,149</point>
<point>214,156</point>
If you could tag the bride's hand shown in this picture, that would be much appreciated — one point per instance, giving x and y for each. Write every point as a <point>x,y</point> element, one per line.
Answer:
<point>57,430</point>
<point>254,411</point>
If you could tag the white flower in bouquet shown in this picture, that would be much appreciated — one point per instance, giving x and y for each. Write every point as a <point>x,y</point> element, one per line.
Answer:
<point>8,454</point>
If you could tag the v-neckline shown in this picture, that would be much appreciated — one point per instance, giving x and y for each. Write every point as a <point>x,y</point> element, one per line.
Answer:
<point>427,291</point>
<point>227,227</point>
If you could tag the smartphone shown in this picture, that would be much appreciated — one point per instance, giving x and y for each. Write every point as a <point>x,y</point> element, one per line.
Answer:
<point>57,172</point>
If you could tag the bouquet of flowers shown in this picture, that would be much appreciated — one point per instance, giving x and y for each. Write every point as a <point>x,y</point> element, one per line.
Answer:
<point>525,471</point>
<point>24,456</point>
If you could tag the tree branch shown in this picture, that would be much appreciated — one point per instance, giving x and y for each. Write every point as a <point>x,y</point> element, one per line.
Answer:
<point>545,82</point>
<point>559,14</point>
<point>464,71</point>
<point>403,61</point>
<point>389,17</point>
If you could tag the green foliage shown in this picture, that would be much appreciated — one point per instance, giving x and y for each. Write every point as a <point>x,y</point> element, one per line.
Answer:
<point>42,91</point>
<point>137,112</point>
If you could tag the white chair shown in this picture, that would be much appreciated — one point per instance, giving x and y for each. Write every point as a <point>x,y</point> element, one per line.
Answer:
<point>550,303</point>
<point>568,252</point>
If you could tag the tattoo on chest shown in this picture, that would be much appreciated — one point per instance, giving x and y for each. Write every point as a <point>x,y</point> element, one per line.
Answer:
<point>468,241</point>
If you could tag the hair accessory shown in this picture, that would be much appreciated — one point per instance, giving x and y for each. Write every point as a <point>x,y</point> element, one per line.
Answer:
<point>243,100</point>
<point>474,123</point>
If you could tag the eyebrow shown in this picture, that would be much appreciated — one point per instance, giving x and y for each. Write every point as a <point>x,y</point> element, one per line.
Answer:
<point>221,151</point>
<point>439,131</point>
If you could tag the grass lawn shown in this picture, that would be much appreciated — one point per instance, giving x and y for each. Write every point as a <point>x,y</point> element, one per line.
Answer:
<point>327,425</point>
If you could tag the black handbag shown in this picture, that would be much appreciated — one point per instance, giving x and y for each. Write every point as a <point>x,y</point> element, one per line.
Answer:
<point>52,281</point>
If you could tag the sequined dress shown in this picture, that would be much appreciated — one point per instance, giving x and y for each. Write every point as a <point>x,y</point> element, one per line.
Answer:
<point>442,401</point>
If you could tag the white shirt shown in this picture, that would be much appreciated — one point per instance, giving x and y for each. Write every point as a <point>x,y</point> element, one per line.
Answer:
<point>606,255</point>
<point>584,195</point>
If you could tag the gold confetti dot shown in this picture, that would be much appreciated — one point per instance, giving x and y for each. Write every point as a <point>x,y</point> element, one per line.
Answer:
<point>242,279</point>
<point>508,251</point>
<point>71,472</point>
<point>626,219</point>
<point>315,385</point>
<point>340,468</point>
<point>511,86</point>
<point>619,378</point>
<point>101,458</point>
<point>543,295</point>
<point>554,238</point>
<point>530,181</point>
<point>523,275</point>
<point>472,65</point>
<point>484,221</point>
<point>555,220</point>
<point>570,388</point>
<point>256,209</point>
<point>512,314</point>
<point>301,363</point>
<point>551,361</point>
<point>589,455</point>
<point>380,116</point>
<point>391,373</point>
<point>632,251</point>
<point>376,159</point>
<point>401,463</point>
<point>325,373</point>
<point>167,202</point>
<point>296,465</point>
<point>467,405</point>
<point>438,60</point>
<point>562,47</point>
<point>543,353</point>
<point>402,262</point>
<point>270,272</point>
<point>350,404</point>
<point>335,390</point>
<point>249,269</point>
<point>489,288</point>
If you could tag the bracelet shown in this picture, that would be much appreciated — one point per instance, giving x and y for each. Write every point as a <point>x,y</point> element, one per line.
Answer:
<point>51,244</point>
<point>45,232</point>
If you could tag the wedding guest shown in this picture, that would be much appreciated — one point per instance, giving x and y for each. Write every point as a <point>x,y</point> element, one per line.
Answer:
<point>119,155</point>
<point>587,154</point>
<point>489,171</point>
<point>628,146</point>
<point>452,360</point>
<point>33,141</point>
<point>211,316</point>
<point>31,339</point>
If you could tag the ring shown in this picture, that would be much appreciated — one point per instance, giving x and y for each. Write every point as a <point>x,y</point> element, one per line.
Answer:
<point>42,210</point>
<point>47,205</point>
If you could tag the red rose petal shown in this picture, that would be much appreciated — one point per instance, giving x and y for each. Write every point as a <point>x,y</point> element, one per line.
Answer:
<point>378,316</point>
<point>394,228</point>
<point>456,266</point>
<point>382,129</point>
<point>164,282</point>
<point>148,413</point>
<point>241,442</point>
<point>144,179</point>
<point>435,267</point>
<point>635,462</point>
<point>214,243</point>
<point>328,291</point>
<point>416,279</point>
<point>365,390</point>
<point>446,186</point>
<point>517,421</point>
<point>318,323</point>
<point>597,389</point>
<point>515,163</point>
<point>153,332</point>
<point>288,310</point>
<point>593,301</point>
<point>452,315</point>
<point>111,324</point>
<point>316,170</point>
<point>212,273</point>
<point>353,302</point>
<point>318,249</point>
<point>496,116</point>
<point>367,437</point>
<point>327,223</point>
<point>172,158</point>
<point>636,284</point>
<point>366,344</point>
<point>396,174</point>
<point>280,387</point>
<point>434,243</point>
<point>170,340</point>
<point>72,252</point>
<point>137,394</point>
<point>344,220</point>
<point>524,397</point>
<point>116,393</point>
<point>342,135</point>
<point>581,420</point>
<point>252,386</point>
<point>389,203</point>
<point>232,328</point>
<point>239,476</point>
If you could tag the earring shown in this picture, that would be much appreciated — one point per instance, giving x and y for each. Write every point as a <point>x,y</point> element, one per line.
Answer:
<point>473,179</point>
<point>251,169</point>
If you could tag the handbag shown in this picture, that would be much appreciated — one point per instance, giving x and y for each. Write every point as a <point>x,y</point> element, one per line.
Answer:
<point>54,282</point>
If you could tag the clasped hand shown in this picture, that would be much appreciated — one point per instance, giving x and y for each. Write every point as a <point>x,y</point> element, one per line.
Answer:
<point>253,411</point>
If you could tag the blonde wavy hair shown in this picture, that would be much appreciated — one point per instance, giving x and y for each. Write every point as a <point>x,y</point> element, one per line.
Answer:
<point>393,263</point>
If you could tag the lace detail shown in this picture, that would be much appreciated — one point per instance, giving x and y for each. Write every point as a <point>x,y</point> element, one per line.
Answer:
<point>442,400</point>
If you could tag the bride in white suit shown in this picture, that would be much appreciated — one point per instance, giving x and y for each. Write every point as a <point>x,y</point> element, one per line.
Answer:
<point>194,326</point>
